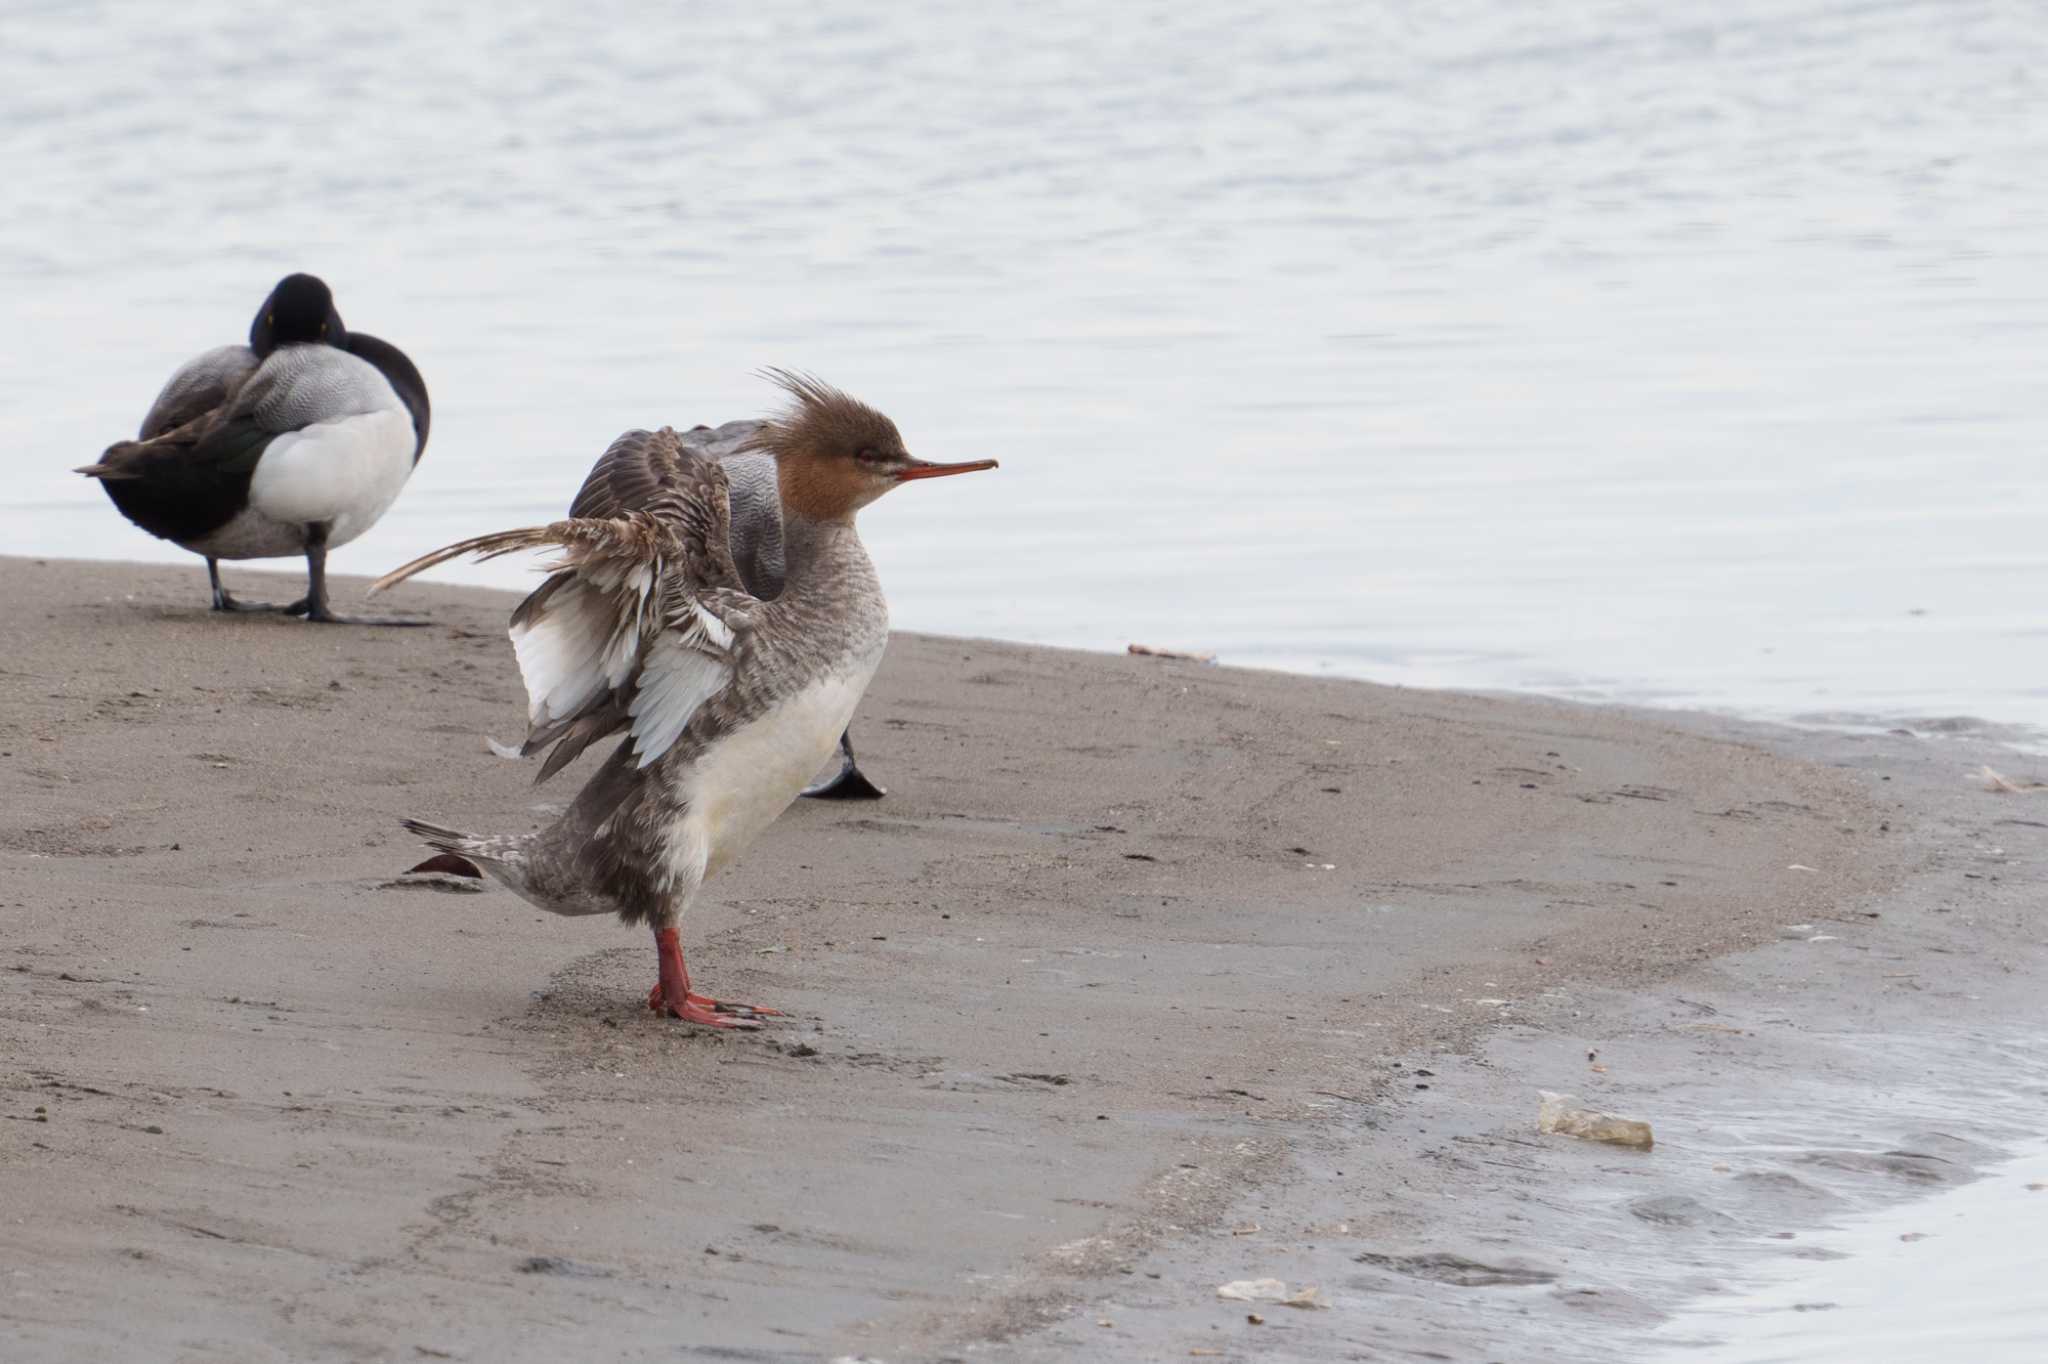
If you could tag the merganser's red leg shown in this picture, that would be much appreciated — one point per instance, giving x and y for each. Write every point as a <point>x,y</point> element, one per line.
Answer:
<point>672,994</point>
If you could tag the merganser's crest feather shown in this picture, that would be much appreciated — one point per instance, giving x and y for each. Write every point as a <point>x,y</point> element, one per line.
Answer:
<point>821,419</point>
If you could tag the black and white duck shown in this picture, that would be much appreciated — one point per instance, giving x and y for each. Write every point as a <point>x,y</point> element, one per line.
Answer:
<point>294,444</point>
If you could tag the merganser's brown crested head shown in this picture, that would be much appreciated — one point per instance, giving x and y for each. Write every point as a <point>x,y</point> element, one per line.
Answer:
<point>834,454</point>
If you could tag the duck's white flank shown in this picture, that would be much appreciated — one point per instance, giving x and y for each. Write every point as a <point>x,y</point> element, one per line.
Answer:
<point>346,472</point>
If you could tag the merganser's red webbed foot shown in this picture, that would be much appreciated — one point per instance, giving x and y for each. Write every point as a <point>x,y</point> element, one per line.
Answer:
<point>673,996</point>
<point>713,1013</point>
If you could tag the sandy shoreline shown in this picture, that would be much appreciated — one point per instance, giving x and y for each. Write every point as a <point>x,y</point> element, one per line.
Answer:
<point>1132,946</point>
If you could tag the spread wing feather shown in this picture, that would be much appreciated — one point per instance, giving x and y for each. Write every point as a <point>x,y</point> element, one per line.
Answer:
<point>654,472</point>
<point>687,665</point>
<point>641,618</point>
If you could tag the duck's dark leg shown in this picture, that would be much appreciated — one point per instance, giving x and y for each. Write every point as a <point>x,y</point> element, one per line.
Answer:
<point>849,783</point>
<point>222,601</point>
<point>314,607</point>
<point>673,996</point>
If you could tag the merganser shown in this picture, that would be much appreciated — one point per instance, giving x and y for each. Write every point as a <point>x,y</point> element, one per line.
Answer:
<point>756,552</point>
<point>729,701</point>
<point>293,444</point>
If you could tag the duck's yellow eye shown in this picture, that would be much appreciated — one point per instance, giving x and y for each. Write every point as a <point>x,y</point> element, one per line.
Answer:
<point>270,319</point>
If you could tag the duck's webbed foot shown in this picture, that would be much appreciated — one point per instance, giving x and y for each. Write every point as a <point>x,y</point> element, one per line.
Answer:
<point>673,996</point>
<point>224,600</point>
<point>849,783</point>
<point>323,616</point>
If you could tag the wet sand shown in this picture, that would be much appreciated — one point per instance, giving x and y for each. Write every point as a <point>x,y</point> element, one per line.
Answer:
<point>1132,954</point>
<point>1876,1052</point>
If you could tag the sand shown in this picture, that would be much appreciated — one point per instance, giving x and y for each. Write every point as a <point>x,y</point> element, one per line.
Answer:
<point>1129,944</point>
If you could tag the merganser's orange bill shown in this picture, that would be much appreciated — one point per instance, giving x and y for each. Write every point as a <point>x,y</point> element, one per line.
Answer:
<point>920,469</point>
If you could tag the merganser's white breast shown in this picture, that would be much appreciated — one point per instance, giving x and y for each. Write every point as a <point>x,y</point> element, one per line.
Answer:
<point>738,785</point>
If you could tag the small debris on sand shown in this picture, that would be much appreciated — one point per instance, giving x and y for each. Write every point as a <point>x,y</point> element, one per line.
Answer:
<point>1439,1266</point>
<point>1998,781</point>
<point>1148,651</point>
<point>1560,1115</point>
<point>556,1264</point>
<point>1308,1297</point>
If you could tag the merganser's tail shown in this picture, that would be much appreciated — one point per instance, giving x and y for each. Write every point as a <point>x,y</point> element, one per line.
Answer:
<point>504,858</point>
<point>447,840</point>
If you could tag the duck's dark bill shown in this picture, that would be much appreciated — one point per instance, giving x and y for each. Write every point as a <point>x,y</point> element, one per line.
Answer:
<point>923,470</point>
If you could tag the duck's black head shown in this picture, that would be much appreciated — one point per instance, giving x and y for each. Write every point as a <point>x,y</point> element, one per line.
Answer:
<point>299,309</point>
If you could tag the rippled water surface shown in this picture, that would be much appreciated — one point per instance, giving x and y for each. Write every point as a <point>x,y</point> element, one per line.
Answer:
<point>1677,354</point>
<point>1958,1277</point>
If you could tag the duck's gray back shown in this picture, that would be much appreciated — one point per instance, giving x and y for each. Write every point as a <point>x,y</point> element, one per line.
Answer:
<point>756,502</point>
<point>299,385</point>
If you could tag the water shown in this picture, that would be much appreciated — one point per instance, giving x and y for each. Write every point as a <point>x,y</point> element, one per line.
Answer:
<point>1613,350</point>
<point>1955,1277</point>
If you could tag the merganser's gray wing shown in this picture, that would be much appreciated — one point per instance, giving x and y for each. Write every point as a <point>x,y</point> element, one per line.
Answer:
<point>756,498</point>
<point>643,616</point>
<point>637,468</point>
<point>628,476</point>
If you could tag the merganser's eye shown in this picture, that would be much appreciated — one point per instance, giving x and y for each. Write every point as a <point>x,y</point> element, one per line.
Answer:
<point>869,457</point>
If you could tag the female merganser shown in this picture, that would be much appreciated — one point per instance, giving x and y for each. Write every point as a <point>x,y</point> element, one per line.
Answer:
<point>730,702</point>
<point>293,444</point>
<point>756,552</point>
